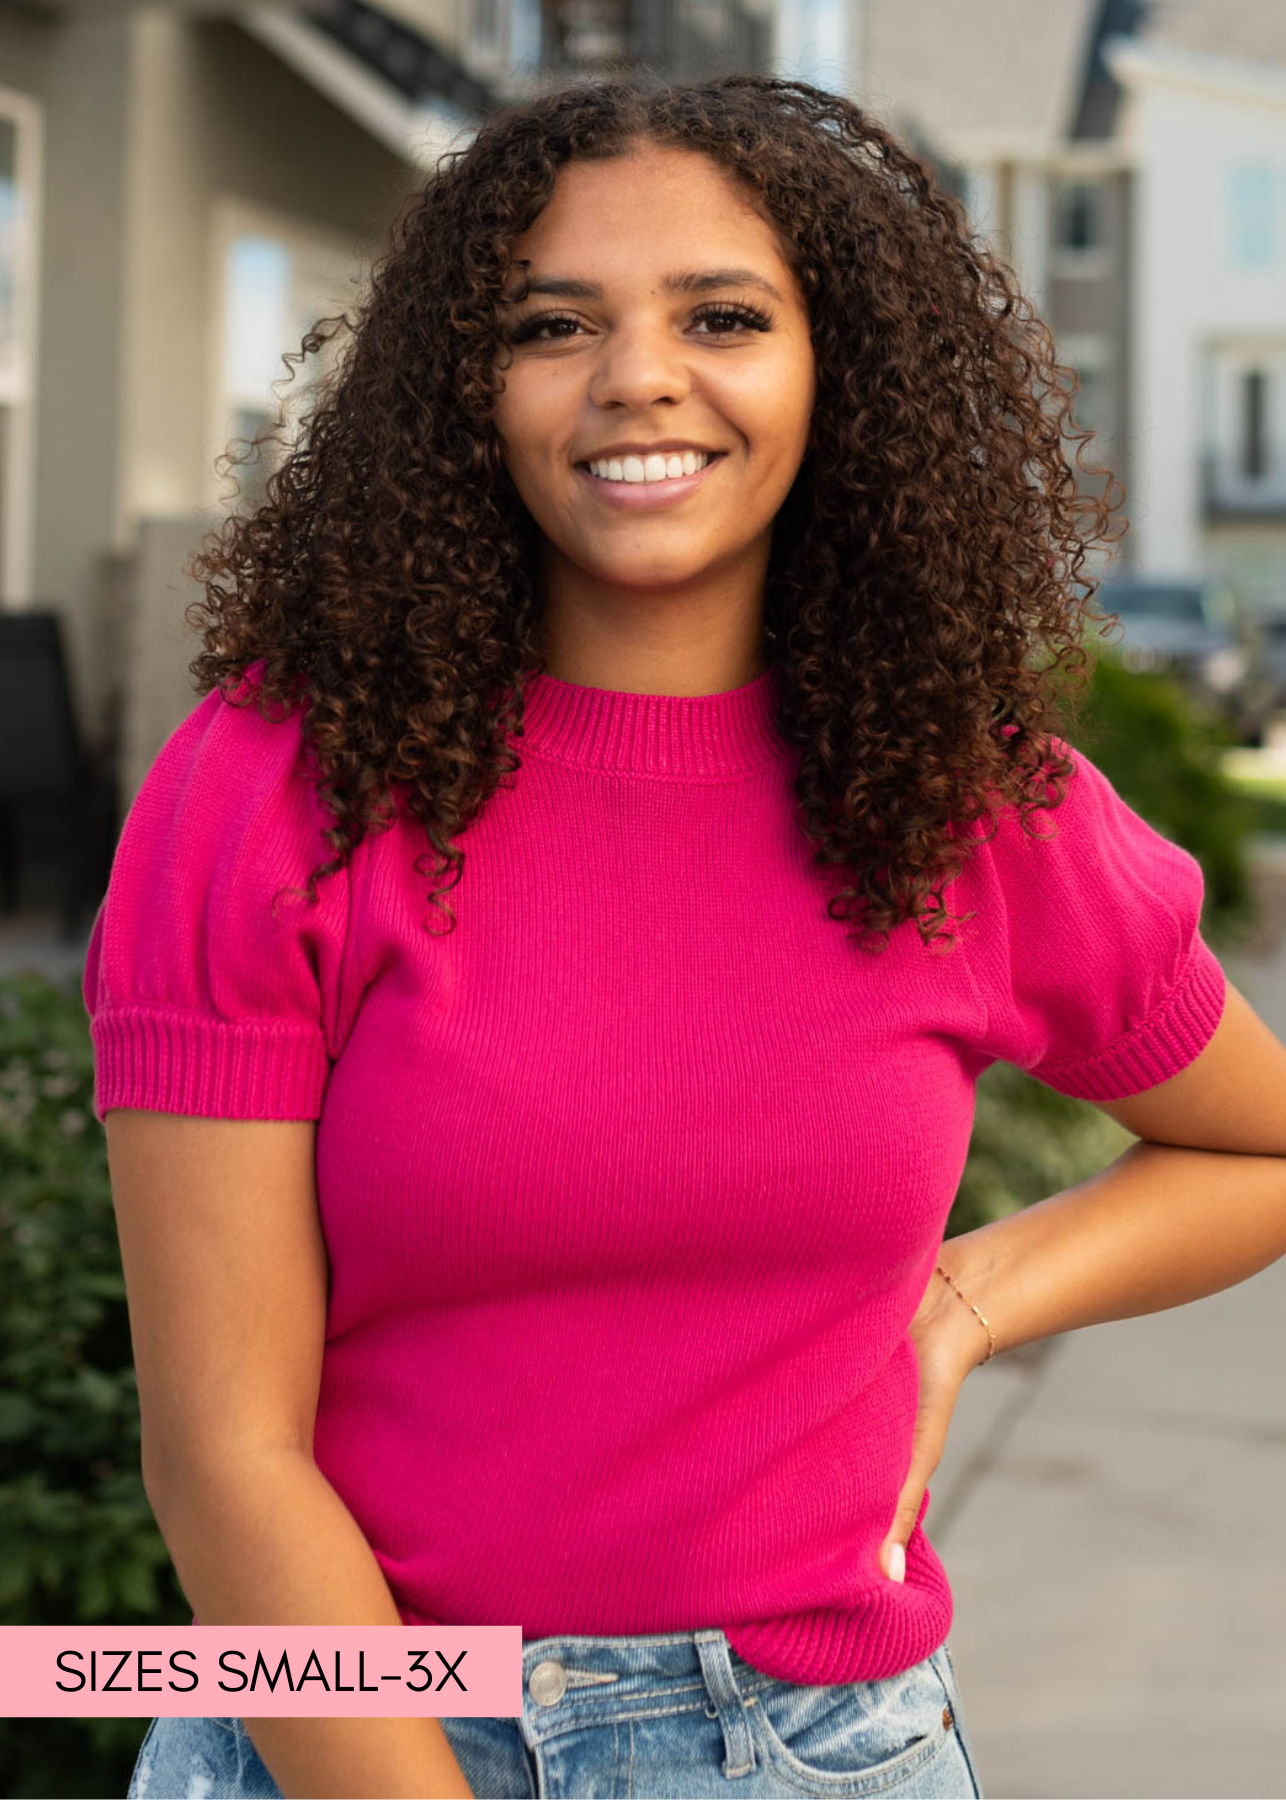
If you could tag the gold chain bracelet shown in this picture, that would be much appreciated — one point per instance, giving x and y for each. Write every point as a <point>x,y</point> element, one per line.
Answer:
<point>969,1303</point>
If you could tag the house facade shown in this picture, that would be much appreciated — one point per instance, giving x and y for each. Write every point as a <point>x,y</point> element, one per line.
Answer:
<point>1207,136</point>
<point>185,188</point>
<point>1129,161</point>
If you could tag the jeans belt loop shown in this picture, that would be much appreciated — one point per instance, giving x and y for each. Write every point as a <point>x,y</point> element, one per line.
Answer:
<point>726,1697</point>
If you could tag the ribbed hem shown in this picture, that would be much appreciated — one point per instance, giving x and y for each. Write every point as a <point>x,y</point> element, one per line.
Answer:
<point>892,1628</point>
<point>824,1648</point>
<point>661,735</point>
<point>1173,1035</point>
<point>178,1062</point>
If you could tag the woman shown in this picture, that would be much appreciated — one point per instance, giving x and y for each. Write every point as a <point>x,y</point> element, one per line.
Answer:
<point>682,520</point>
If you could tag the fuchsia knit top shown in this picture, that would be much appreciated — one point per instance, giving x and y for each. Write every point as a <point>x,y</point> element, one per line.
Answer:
<point>632,1183</point>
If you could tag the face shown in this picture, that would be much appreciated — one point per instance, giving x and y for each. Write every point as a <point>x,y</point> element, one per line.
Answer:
<point>721,366</point>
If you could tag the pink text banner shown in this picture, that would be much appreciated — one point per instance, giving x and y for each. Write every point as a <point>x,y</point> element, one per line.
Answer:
<point>251,1671</point>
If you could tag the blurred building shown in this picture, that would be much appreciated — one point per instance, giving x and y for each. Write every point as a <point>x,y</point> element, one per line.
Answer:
<point>1128,158</point>
<point>1205,123</point>
<point>185,188</point>
<point>182,193</point>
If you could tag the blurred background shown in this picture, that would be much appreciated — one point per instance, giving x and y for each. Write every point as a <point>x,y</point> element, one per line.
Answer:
<point>185,189</point>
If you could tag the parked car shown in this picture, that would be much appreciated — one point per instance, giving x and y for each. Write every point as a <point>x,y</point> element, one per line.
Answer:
<point>1265,687</point>
<point>1192,628</point>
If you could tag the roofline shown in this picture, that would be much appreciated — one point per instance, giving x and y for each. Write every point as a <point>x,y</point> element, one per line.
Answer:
<point>417,133</point>
<point>1138,64</point>
<point>1036,149</point>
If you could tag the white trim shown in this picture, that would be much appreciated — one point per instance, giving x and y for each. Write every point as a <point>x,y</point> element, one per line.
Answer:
<point>981,197</point>
<point>1029,231</point>
<point>1082,265</point>
<point>1038,149</point>
<point>18,500</point>
<point>1136,64</point>
<point>418,134</point>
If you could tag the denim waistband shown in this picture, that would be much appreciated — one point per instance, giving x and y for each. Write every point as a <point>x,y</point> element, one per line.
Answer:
<point>573,1681</point>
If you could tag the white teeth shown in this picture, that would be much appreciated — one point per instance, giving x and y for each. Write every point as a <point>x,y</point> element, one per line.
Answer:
<point>652,468</point>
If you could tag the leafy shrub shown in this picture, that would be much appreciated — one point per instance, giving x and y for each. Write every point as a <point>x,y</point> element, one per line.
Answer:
<point>1162,752</point>
<point>78,1544</point>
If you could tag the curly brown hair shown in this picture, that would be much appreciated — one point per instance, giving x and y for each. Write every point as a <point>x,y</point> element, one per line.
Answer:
<point>926,558</point>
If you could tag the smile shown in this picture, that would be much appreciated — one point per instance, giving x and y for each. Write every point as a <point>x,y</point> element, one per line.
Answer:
<point>645,496</point>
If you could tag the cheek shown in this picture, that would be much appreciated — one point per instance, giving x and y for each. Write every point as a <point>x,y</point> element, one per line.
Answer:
<point>775,406</point>
<point>518,414</point>
<point>532,444</point>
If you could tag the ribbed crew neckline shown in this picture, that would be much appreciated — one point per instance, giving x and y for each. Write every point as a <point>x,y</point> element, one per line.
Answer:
<point>677,735</point>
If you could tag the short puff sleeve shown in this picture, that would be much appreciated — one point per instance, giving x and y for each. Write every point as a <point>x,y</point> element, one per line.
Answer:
<point>1087,945</point>
<point>202,997</point>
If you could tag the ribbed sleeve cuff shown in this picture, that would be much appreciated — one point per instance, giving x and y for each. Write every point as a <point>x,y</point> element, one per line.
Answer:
<point>1173,1035</point>
<point>178,1062</point>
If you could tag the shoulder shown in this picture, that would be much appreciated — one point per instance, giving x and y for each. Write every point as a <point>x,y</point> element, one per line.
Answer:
<point>1074,826</point>
<point>228,776</point>
<point>213,983</point>
<point>1087,945</point>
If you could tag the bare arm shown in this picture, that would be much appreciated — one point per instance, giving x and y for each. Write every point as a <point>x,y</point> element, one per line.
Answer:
<point>225,1269</point>
<point>1196,1206</point>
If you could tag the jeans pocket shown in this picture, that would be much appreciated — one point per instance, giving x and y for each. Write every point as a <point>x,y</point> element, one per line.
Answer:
<point>855,1737</point>
<point>142,1761</point>
<point>947,1669</point>
<point>180,1757</point>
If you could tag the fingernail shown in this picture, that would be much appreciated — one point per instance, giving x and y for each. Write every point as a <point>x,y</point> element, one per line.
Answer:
<point>897,1563</point>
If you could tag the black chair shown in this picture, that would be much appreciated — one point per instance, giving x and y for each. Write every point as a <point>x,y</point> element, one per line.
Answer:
<point>48,778</point>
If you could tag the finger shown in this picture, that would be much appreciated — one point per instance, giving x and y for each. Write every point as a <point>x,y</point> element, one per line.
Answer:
<point>928,1444</point>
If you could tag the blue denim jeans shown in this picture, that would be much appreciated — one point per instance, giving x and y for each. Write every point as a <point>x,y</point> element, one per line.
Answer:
<point>680,1715</point>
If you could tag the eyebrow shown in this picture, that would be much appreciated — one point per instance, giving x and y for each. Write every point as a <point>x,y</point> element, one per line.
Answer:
<point>689,282</point>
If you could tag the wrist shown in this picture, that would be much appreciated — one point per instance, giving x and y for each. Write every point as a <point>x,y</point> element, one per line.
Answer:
<point>957,1313</point>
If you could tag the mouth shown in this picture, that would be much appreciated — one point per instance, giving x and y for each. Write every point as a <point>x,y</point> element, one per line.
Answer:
<point>645,496</point>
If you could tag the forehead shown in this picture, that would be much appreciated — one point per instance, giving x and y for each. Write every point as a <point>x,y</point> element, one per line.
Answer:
<point>641,212</point>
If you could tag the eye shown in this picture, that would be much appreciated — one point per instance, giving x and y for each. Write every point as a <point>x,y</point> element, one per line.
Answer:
<point>745,318</point>
<point>748,317</point>
<point>531,328</point>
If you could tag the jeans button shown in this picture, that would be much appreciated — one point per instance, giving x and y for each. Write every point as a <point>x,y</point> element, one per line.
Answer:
<point>547,1683</point>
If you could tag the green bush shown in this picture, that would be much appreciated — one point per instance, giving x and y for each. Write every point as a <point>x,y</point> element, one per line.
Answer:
<point>1163,754</point>
<point>78,1544</point>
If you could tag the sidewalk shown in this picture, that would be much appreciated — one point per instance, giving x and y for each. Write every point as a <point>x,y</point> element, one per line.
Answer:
<point>1111,1513</point>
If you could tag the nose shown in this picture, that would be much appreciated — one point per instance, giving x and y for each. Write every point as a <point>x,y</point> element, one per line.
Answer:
<point>639,366</point>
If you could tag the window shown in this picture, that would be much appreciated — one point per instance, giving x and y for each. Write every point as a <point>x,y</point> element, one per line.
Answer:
<point>526,35</point>
<point>1081,244</point>
<point>1080,224</point>
<point>20,153</point>
<point>8,243</point>
<point>1089,354</point>
<point>981,196</point>
<point>1243,423</point>
<point>278,278</point>
<point>1254,413</point>
<point>258,307</point>
<point>812,42</point>
<point>1251,203</point>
